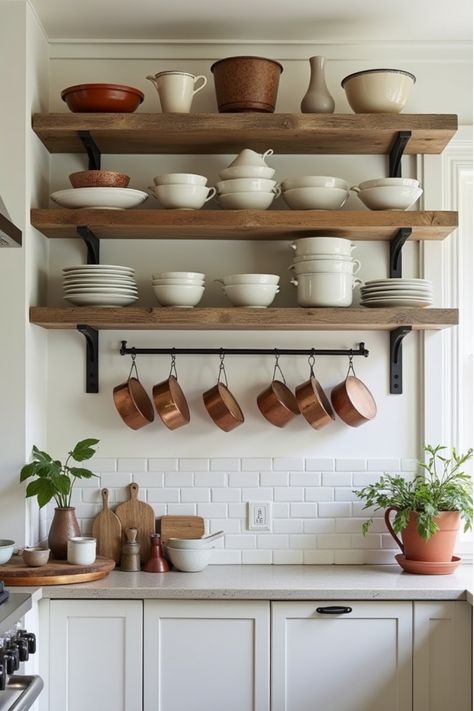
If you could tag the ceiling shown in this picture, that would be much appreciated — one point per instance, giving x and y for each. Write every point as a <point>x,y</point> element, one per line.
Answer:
<point>266,20</point>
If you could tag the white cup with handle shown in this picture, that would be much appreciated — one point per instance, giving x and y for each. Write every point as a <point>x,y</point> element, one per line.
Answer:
<point>176,90</point>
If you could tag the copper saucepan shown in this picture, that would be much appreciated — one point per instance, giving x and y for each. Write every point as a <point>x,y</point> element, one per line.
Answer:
<point>170,402</point>
<point>221,405</point>
<point>277,403</point>
<point>312,401</point>
<point>353,401</point>
<point>132,402</point>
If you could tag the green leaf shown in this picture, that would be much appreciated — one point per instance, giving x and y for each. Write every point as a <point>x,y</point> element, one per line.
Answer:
<point>44,497</point>
<point>63,484</point>
<point>83,450</point>
<point>34,487</point>
<point>40,456</point>
<point>27,471</point>
<point>81,473</point>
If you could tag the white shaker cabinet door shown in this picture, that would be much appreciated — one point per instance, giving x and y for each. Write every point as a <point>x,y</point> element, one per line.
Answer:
<point>95,659</point>
<point>442,656</point>
<point>360,660</point>
<point>206,655</point>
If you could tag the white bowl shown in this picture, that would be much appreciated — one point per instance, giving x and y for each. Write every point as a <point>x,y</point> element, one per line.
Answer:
<point>6,550</point>
<point>306,246</point>
<point>179,275</point>
<point>242,185</point>
<point>178,295</point>
<point>180,179</point>
<point>233,279</point>
<point>251,295</point>
<point>396,197</point>
<point>181,197</point>
<point>315,198</point>
<point>314,181</point>
<point>247,171</point>
<point>383,182</point>
<point>101,198</point>
<point>189,560</point>
<point>177,282</point>
<point>322,256</point>
<point>246,200</point>
<point>327,265</point>
<point>325,289</point>
<point>378,90</point>
<point>249,157</point>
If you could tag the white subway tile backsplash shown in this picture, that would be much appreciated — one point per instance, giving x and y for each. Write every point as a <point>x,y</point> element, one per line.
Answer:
<point>181,510</point>
<point>298,510</point>
<point>358,510</point>
<point>383,465</point>
<point>193,495</point>
<point>225,557</point>
<point>225,464</point>
<point>228,525</point>
<point>288,464</point>
<point>275,541</point>
<point>336,479</point>
<point>350,465</point>
<point>212,510</point>
<point>241,479</point>
<point>305,478</point>
<point>132,464</point>
<point>174,479</point>
<point>320,465</point>
<point>257,494</point>
<point>343,493</point>
<point>193,465</point>
<point>162,465</point>
<point>318,557</point>
<point>319,525</point>
<point>88,510</point>
<point>86,496</point>
<point>109,480</point>
<point>360,479</point>
<point>240,541</point>
<point>371,540</point>
<point>289,493</point>
<point>102,464</point>
<point>256,557</point>
<point>287,557</point>
<point>380,557</point>
<point>319,493</point>
<point>237,510</point>
<point>302,541</point>
<point>274,478</point>
<point>161,509</point>
<point>280,510</point>
<point>226,495</point>
<point>333,509</point>
<point>149,479</point>
<point>287,525</point>
<point>333,540</point>
<point>163,496</point>
<point>349,557</point>
<point>257,464</point>
<point>210,479</point>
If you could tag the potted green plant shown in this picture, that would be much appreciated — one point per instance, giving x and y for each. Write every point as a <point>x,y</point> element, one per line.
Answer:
<point>429,508</point>
<point>54,480</point>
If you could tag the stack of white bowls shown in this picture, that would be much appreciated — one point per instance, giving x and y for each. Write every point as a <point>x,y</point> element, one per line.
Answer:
<point>251,290</point>
<point>181,191</point>
<point>324,269</point>
<point>397,292</point>
<point>100,285</point>
<point>247,183</point>
<point>183,289</point>
<point>315,192</point>
<point>388,193</point>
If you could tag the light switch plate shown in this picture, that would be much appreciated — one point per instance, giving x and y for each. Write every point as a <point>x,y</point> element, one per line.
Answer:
<point>259,516</point>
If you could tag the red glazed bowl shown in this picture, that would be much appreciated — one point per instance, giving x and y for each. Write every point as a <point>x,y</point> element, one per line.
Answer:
<point>102,98</point>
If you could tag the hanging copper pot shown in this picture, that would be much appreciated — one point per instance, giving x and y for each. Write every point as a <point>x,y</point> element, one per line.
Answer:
<point>132,402</point>
<point>312,401</point>
<point>221,405</point>
<point>352,400</point>
<point>277,403</point>
<point>170,402</point>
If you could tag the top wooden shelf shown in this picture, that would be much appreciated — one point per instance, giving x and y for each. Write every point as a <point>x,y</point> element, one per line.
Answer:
<point>228,133</point>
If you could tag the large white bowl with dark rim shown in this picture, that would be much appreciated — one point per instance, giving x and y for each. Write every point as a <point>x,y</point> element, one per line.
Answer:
<point>189,560</point>
<point>242,185</point>
<point>6,550</point>
<point>394,197</point>
<point>378,90</point>
<point>314,181</point>
<point>246,171</point>
<point>315,198</point>
<point>306,246</point>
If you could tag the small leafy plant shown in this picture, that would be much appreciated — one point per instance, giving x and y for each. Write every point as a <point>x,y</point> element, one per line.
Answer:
<point>55,480</point>
<point>440,485</point>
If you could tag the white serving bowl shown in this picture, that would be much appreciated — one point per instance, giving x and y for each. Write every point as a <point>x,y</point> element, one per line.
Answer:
<point>309,246</point>
<point>251,295</point>
<point>327,265</point>
<point>6,550</point>
<point>189,560</point>
<point>180,179</point>
<point>246,200</point>
<point>179,275</point>
<point>314,181</point>
<point>242,185</point>
<point>178,295</point>
<point>322,256</point>
<point>247,171</point>
<point>378,90</point>
<point>183,196</point>
<point>231,279</point>
<point>100,198</point>
<point>249,157</point>
<point>396,197</point>
<point>384,182</point>
<point>325,289</point>
<point>176,282</point>
<point>315,198</point>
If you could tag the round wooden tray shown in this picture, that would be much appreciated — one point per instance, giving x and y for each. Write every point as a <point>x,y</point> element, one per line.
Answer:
<point>55,572</point>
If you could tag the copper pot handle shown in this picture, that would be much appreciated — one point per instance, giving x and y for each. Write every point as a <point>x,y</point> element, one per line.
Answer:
<point>390,527</point>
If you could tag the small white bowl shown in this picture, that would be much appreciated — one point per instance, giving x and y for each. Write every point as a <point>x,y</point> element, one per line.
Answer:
<point>306,246</point>
<point>246,200</point>
<point>378,90</point>
<point>183,196</point>
<point>189,560</point>
<point>231,279</point>
<point>251,295</point>
<point>314,181</point>
<point>247,171</point>
<point>384,182</point>
<point>322,256</point>
<point>396,197</point>
<point>179,275</point>
<point>242,185</point>
<point>351,266</point>
<point>6,550</point>
<point>178,295</point>
<point>315,198</point>
<point>177,282</point>
<point>180,179</point>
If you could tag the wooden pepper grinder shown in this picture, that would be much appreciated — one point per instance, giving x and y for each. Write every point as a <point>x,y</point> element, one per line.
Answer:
<point>156,563</point>
<point>130,559</point>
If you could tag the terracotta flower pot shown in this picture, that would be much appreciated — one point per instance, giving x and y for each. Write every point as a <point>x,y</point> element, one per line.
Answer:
<point>438,549</point>
<point>63,527</point>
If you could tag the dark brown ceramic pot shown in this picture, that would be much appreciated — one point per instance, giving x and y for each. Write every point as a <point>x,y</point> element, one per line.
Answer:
<point>246,83</point>
<point>63,527</point>
<point>100,98</point>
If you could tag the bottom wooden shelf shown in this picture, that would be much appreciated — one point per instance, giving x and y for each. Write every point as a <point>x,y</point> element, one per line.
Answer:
<point>270,319</point>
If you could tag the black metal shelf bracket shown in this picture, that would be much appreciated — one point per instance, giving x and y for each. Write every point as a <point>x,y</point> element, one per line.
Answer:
<point>396,153</point>
<point>360,351</point>
<point>396,246</point>
<point>92,149</point>
<point>92,243</point>
<point>92,357</point>
<point>396,359</point>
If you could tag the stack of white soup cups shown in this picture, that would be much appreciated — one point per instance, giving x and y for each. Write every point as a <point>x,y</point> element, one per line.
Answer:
<point>324,271</point>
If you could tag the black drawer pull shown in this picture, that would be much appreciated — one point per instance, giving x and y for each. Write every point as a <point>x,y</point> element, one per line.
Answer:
<point>334,610</point>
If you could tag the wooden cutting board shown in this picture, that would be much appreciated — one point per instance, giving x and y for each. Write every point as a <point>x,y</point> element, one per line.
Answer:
<point>181,527</point>
<point>55,572</point>
<point>137,514</point>
<point>107,529</point>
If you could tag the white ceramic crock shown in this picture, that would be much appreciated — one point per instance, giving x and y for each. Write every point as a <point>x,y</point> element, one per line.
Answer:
<point>81,550</point>
<point>327,245</point>
<point>335,266</point>
<point>325,289</point>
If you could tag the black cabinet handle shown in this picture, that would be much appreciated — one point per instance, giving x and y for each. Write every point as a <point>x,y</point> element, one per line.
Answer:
<point>334,610</point>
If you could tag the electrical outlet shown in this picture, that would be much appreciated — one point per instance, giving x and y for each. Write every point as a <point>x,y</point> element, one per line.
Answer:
<point>259,516</point>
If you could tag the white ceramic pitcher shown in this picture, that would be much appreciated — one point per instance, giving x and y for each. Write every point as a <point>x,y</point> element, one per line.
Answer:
<point>176,90</point>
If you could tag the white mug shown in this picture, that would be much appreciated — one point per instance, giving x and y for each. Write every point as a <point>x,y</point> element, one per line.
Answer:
<point>81,550</point>
<point>176,90</point>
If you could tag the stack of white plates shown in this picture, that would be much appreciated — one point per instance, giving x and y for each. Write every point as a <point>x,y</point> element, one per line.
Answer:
<point>100,285</point>
<point>397,292</point>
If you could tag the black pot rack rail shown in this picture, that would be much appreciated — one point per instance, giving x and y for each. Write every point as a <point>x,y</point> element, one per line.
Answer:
<point>360,351</point>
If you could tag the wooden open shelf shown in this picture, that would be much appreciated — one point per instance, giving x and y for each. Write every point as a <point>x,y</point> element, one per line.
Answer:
<point>270,319</point>
<point>229,133</point>
<point>244,224</point>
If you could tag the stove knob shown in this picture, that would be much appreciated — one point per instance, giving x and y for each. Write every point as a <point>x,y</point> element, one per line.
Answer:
<point>23,649</point>
<point>30,637</point>
<point>8,662</point>
<point>3,678</point>
<point>13,648</point>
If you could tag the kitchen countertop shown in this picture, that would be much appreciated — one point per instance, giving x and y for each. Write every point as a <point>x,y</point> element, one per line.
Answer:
<point>275,582</point>
<point>11,610</point>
